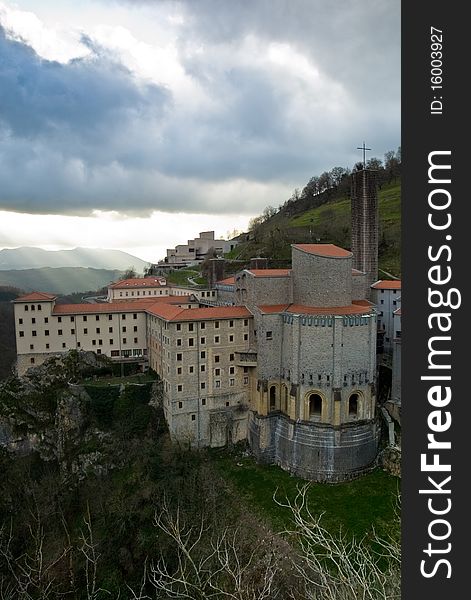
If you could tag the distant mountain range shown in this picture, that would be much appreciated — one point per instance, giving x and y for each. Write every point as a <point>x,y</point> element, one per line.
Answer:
<point>36,258</point>
<point>60,280</point>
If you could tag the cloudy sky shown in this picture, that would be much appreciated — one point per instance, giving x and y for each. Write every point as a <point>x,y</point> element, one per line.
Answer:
<point>136,124</point>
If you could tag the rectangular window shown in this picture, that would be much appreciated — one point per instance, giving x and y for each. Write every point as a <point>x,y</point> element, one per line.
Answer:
<point>231,370</point>
<point>231,323</point>
<point>47,346</point>
<point>46,332</point>
<point>203,401</point>
<point>216,339</point>
<point>123,329</point>
<point>59,319</point>
<point>46,320</point>
<point>20,321</point>
<point>203,355</point>
<point>217,383</point>
<point>216,358</point>
<point>231,338</point>
<point>269,335</point>
<point>31,359</point>
<point>179,342</point>
<point>203,368</point>
<point>179,370</point>
<point>93,342</point>
<point>217,372</point>
<point>123,317</point>
<point>63,344</point>
<point>246,322</point>
<point>125,341</point>
<point>135,340</point>
<point>26,307</point>
<point>60,332</point>
<point>110,330</point>
<point>246,369</point>
<point>179,356</point>
<point>85,331</point>
<point>40,307</point>
<point>97,317</point>
<point>21,333</point>
<point>203,341</point>
<point>246,380</point>
<point>203,325</point>
<point>33,320</point>
<point>246,337</point>
<point>72,319</point>
<point>231,382</point>
<point>180,405</point>
<point>84,318</point>
<point>231,357</point>
<point>191,342</point>
<point>111,342</point>
<point>110,317</point>
<point>34,333</point>
<point>31,347</point>
<point>134,316</point>
<point>135,328</point>
<point>216,324</point>
<point>179,326</point>
<point>193,417</point>
<point>190,326</point>
<point>202,385</point>
<point>114,352</point>
<point>33,307</point>
<point>179,387</point>
<point>72,332</point>
<point>97,330</point>
<point>191,370</point>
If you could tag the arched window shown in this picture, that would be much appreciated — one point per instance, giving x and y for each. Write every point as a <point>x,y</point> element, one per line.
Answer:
<point>353,405</point>
<point>315,405</point>
<point>272,397</point>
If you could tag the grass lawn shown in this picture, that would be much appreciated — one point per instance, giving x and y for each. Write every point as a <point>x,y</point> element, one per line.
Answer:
<point>355,506</point>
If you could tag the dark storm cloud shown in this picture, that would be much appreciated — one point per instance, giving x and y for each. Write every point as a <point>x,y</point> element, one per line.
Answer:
<point>90,135</point>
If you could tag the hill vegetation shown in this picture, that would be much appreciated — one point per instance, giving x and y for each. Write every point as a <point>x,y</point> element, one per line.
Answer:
<point>321,213</point>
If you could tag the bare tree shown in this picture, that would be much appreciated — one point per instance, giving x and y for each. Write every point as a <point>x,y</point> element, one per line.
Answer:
<point>339,567</point>
<point>210,567</point>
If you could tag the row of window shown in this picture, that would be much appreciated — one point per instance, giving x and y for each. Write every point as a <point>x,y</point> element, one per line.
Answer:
<point>94,343</point>
<point>149,293</point>
<point>72,331</point>
<point>217,325</point>
<point>217,340</point>
<point>217,383</point>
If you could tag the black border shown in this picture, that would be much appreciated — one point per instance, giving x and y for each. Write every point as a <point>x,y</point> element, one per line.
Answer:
<point>423,133</point>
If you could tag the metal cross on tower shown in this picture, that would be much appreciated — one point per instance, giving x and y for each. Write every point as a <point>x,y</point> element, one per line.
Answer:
<point>364,148</point>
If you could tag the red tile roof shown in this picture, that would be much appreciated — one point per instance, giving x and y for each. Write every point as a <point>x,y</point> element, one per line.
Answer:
<point>270,272</point>
<point>36,297</point>
<point>329,250</point>
<point>382,284</point>
<point>139,282</point>
<point>227,281</point>
<point>170,313</point>
<point>352,309</point>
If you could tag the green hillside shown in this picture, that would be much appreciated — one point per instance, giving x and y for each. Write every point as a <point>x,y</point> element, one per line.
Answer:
<point>329,224</point>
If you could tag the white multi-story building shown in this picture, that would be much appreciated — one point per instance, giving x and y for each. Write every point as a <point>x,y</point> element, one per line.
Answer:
<point>386,295</point>
<point>138,287</point>
<point>194,251</point>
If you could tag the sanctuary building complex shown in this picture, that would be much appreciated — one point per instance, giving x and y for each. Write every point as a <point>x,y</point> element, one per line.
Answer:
<point>282,358</point>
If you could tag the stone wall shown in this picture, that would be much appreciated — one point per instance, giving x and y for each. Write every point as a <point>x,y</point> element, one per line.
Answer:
<point>321,280</point>
<point>317,452</point>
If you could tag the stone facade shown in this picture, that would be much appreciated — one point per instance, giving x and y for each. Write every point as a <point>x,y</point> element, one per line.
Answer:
<point>365,224</point>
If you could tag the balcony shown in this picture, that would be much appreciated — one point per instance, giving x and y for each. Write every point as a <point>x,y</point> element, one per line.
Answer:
<point>246,359</point>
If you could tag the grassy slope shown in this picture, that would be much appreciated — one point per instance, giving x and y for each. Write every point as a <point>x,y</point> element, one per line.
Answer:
<point>354,507</point>
<point>330,223</point>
